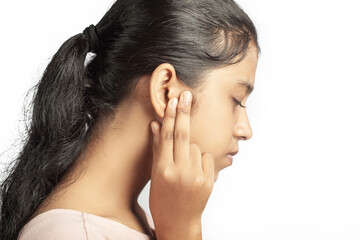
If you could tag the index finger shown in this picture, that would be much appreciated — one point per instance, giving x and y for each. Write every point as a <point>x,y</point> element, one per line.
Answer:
<point>166,154</point>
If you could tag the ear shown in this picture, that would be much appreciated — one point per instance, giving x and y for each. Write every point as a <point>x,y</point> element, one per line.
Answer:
<point>164,85</point>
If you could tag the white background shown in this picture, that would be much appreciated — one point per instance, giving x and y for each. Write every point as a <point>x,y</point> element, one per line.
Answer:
<point>299,175</point>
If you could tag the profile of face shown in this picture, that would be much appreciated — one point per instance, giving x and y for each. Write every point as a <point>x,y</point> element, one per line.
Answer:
<point>219,122</point>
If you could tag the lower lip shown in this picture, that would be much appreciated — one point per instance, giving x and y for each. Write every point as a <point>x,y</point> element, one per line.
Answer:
<point>230,158</point>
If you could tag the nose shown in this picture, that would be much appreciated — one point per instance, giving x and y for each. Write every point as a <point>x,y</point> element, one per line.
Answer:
<point>242,128</point>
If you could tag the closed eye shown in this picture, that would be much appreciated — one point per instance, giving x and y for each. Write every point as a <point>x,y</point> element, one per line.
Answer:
<point>238,103</point>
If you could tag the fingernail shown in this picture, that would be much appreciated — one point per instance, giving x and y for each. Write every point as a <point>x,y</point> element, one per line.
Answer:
<point>152,127</point>
<point>187,96</point>
<point>173,102</point>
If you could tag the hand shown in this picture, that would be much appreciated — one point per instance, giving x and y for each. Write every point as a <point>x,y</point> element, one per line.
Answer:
<point>182,178</point>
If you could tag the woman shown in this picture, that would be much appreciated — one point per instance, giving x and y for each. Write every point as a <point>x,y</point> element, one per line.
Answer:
<point>90,150</point>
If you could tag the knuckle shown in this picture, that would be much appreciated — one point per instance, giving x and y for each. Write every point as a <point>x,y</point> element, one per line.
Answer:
<point>199,182</point>
<point>168,135</point>
<point>183,110</point>
<point>171,115</point>
<point>168,175</point>
<point>181,135</point>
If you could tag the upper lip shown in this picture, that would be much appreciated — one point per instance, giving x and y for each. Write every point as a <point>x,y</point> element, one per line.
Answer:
<point>233,153</point>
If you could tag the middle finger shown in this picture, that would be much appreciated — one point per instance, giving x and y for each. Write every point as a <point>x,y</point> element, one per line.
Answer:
<point>182,129</point>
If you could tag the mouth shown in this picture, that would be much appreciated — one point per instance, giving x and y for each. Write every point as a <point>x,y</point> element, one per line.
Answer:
<point>233,153</point>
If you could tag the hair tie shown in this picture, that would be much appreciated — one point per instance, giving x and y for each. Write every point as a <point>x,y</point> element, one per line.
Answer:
<point>91,35</point>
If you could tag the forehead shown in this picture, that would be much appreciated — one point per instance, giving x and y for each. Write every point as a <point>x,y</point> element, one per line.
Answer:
<point>239,74</point>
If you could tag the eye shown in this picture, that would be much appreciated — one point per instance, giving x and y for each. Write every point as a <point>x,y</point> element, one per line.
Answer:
<point>238,103</point>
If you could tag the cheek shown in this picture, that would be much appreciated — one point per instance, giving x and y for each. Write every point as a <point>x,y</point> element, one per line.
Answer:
<point>211,128</point>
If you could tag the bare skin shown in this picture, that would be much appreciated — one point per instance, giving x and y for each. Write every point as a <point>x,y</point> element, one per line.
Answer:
<point>118,162</point>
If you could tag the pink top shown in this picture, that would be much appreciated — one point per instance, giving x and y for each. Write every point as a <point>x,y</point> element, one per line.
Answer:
<point>68,224</point>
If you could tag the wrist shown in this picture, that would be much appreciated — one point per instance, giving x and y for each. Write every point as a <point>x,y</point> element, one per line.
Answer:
<point>187,231</point>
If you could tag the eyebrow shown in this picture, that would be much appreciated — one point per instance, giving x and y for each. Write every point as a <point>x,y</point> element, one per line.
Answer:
<point>246,84</point>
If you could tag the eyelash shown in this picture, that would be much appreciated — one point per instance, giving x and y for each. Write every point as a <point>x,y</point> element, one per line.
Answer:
<point>239,103</point>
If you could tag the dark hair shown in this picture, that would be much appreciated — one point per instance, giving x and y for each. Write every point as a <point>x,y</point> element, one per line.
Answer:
<point>73,96</point>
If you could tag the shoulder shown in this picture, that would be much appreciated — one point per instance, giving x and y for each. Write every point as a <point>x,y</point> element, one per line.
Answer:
<point>55,225</point>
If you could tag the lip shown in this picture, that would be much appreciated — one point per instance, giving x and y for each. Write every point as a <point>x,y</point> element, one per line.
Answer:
<point>233,153</point>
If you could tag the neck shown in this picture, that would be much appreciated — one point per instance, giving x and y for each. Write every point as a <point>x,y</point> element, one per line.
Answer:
<point>117,165</point>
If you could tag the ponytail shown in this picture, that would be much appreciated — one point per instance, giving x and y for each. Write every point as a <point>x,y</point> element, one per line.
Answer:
<point>57,134</point>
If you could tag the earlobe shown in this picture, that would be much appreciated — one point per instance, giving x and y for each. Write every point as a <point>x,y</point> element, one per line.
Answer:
<point>163,85</point>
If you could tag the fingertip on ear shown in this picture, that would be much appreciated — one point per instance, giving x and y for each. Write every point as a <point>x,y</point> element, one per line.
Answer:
<point>154,127</point>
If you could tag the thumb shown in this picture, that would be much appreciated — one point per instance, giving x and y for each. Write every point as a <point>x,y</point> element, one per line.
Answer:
<point>154,129</point>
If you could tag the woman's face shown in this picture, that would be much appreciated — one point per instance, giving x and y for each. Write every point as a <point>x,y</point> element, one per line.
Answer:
<point>219,122</point>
